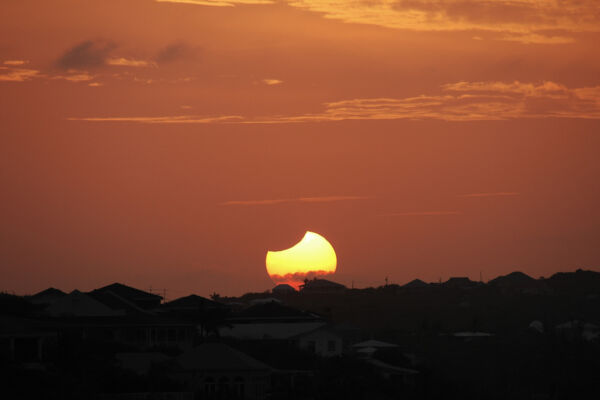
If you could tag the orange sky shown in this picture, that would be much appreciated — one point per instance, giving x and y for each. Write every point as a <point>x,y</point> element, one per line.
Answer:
<point>170,144</point>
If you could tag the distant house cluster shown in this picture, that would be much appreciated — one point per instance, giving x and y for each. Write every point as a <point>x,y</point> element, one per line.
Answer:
<point>270,344</point>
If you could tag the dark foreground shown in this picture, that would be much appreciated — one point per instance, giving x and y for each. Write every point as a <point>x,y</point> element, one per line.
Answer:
<point>513,338</point>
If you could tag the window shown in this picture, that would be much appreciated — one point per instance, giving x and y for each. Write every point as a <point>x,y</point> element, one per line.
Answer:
<point>238,386</point>
<point>331,346</point>
<point>209,385</point>
<point>223,385</point>
<point>312,346</point>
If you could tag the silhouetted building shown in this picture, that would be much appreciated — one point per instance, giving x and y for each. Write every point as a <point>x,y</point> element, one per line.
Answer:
<point>23,340</point>
<point>191,304</point>
<point>46,297</point>
<point>460,283</point>
<point>321,286</point>
<point>415,284</point>
<point>283,289</point>
<point>518,282</point>
<point>217,371</point>
<point>323,341</point>
<point>140,298</point>
<point>78,304</point>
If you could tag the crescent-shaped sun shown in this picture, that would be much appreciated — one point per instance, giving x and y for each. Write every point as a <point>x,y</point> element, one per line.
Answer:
<point>311,256</point>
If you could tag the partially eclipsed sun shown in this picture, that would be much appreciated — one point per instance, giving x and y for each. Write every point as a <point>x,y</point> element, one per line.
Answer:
<point>311,257</point>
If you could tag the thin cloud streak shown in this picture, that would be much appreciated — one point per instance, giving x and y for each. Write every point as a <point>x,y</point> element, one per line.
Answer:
<point>423,213</point>
<point>323,199</point>
<point>18,74</point>
<point>459,101</point>
<point>218,3</point>
<point>178,119</point>
<point>129,62</point>
<point>493,194</point>
<point>14,63</point>
<point>272,82</point>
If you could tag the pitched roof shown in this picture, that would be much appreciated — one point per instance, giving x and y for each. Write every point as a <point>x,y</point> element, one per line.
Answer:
<point>415,283</point>
<point>192,302</point>
<point>49,292</point>
<point>218,357</point>
<point>129,292</point>
<point>459,282</point>
<point>322,284</point>
<point>77,304</point>
<point>283,288</point>
<point>116,302</point>
<point>516,278</point>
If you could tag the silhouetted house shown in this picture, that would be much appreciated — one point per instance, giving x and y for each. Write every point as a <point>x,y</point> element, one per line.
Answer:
<point>460,283</point>
<point>46,297</point>
<point>283,289</point>
<point>518,282</point>
<point>323,341</point>
<point>580,281</point>
<point>140,298</point>
<point>103,315</point>
<point>321,286</point>
<point>415,284</point>
<point>277,322</point>
<point>24,340</point>
<point>191,304</point>
<point>217,371</point>
<point>265,301</point>
<point>78,304</point>
<point>270,321</point>
<point>272,311</point>
<point>118,304</point>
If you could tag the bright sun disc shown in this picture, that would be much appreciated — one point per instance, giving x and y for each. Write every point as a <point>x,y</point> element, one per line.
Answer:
<point>310,257</point>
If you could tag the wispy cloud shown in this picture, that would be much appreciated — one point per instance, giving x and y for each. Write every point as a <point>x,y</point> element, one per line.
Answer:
<point>218,3</point>
<point>75,76</point>
<point>469,101</point>
<point>422,213</point>
<point>18,74</point>
<point>492,194</point>
<point>321,199</point>
<point>526,21</point>
<point>129,62</point>
<point>460,101</point>
<point>15,62</point>
<point>179,119</point>
<point>272,82</point>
